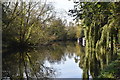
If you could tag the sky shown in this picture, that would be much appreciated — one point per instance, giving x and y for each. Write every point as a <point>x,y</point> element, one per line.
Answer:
<point>62,7</point>
<point>62,4</point>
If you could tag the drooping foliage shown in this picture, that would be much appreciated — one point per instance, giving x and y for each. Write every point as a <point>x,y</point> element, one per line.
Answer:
<point>101,22</point>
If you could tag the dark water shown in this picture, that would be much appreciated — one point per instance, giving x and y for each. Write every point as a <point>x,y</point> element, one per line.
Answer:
<point>60,60</point>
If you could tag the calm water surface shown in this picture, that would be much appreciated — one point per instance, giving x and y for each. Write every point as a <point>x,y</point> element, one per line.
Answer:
<point>60,60</point>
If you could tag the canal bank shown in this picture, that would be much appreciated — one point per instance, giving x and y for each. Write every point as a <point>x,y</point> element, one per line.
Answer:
<point>112,70</point>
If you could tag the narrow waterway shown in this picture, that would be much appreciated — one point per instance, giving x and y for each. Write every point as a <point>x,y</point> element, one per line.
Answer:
<point>60,60</point>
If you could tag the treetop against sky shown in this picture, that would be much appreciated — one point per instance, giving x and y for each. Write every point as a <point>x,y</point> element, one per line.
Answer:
<point>61,6</point>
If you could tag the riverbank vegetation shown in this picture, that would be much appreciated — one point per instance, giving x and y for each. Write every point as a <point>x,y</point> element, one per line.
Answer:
<point>112,70</point>
<point>33,23</point>
<point>101,25</point>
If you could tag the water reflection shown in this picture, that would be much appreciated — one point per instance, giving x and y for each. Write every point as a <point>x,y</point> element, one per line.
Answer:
<point>60,60</point>
<point>26,65</point>
<point>32,64</point>
<point>92,61</point>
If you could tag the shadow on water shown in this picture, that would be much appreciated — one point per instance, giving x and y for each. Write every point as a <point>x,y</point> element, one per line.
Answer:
<point>31,63</point>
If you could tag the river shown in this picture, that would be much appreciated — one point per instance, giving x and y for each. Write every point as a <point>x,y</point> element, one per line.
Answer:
<point>59,60</point>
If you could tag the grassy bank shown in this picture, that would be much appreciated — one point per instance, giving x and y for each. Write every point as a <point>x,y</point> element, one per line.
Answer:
<point>112,70</point>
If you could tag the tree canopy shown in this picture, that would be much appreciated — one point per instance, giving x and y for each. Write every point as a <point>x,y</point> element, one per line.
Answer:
<point>27,23</point>
<point>101,23</point>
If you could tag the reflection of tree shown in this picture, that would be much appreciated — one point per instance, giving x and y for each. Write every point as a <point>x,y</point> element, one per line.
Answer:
<point>92,61</point>
<point>30,64</point>
<point>23,65</point>
<point>57,53</point>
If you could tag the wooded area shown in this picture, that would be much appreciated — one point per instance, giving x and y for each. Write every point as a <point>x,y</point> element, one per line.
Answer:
<point>101,25</point>
<point>33,23</point>
<point>27,24</point>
